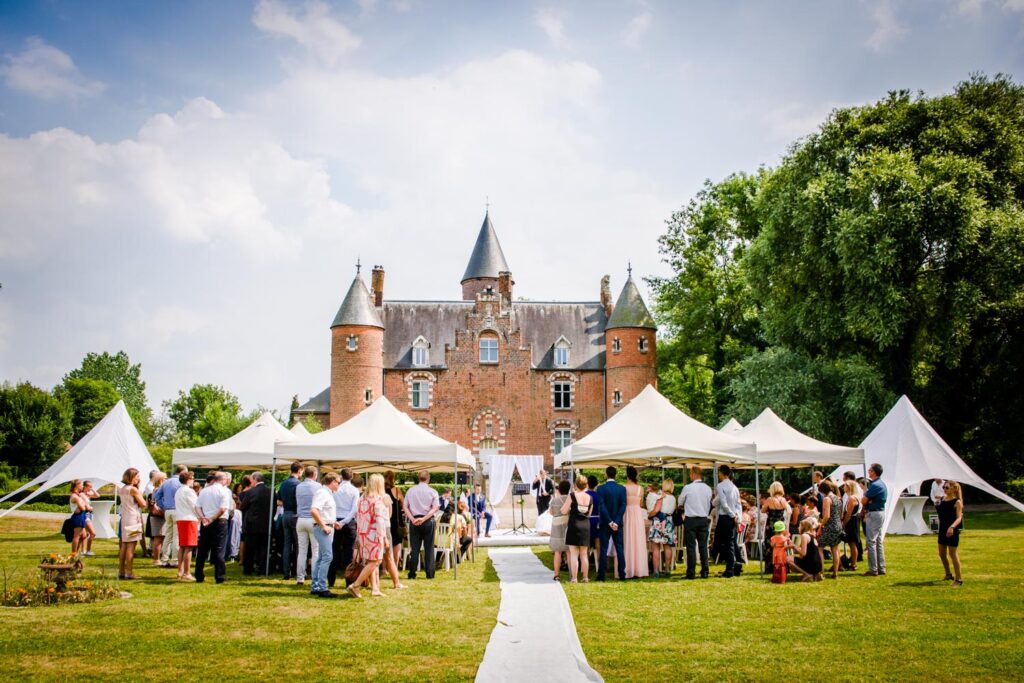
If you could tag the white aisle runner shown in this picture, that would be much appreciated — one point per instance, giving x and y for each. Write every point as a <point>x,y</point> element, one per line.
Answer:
<point>535,637</point>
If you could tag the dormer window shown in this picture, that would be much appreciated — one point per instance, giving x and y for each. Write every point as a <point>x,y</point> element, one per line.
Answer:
<point>352,343</point>
<point>420,353</point>
<point>489,349</point>
<point>562,352</point>
<point>616,345</point>
<point>642,344</point>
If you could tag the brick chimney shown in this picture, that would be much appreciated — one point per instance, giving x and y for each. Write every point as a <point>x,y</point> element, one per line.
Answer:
<point>505,285</point>
<point>606,295</point>
<point>377,286</point>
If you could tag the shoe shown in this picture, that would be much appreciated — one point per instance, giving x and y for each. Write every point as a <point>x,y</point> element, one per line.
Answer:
<point>869,573</point>
<point>299,582</point>
<point>353,591</point>
<point>218,581</point>
<point>324,594</point>
<point>703,575</point>
<point>727,576</point>
<point>947,577</point>
<point>188,577</point>
<point>689,577</point>
<point>88,553</point>
<point>412,576</point>
<point>956,584</point>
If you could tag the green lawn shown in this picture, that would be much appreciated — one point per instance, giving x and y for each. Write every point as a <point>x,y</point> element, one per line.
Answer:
<point>907,625</point>
<point>243,629</point>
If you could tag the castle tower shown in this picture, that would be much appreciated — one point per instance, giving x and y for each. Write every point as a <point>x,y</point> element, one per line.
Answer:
<point>486,264</point>
<point>631,359</point>
<point>357,353</point>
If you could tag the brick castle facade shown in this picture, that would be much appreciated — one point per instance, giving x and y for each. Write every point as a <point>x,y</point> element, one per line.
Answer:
<point>490,373</point>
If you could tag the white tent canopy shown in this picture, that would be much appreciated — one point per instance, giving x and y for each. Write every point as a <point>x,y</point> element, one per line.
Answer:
<point>780,445</point>
<point>732,426</point>
<point>379,437</point>
<point>102,456</point>
<point>910,451</point>
<point>650,430</point>
<point>299,430</point>
<point>251,447</point>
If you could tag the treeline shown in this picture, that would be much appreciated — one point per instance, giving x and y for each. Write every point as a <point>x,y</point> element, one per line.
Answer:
<point>38,426</point>
<point>883,255</point>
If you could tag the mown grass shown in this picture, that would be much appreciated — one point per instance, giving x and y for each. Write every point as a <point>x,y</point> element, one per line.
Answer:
<point>245,629</point>
<point>908,625</point>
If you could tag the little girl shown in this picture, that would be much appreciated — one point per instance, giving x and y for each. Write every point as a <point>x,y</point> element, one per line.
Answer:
<point>780,558</point>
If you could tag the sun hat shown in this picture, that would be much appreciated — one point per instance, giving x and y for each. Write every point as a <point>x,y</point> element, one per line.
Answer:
<point>780,526</point>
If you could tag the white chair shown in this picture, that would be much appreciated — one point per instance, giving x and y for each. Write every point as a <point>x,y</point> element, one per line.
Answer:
<point>443,544</point>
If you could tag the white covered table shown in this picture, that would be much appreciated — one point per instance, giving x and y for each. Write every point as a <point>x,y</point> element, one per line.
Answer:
<point>909,516</point>
<point>101,518</point>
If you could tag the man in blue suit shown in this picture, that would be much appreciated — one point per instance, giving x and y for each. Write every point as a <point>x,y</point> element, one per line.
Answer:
<point>478,507</point>
<point>613,506</point>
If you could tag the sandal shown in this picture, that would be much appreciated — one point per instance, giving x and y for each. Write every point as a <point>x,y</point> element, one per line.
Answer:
<point>400,586</point>
<point>555,578</point>
<point>947,577</point>
<point>956,584</point>
<point>586,580</point>
<point>378,594</point>
<point>353,591</point>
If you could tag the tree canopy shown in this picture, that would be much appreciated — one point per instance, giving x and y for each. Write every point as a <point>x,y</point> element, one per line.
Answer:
<point>206,414</point>
<point>35,427</point>
<point>89,401</point>
<point>884,255</point>
<point>126,378</point>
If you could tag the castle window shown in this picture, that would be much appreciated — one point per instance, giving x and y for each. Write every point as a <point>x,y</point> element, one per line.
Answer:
<point>562,352</point>
<point>616,398</point>
<point>563,395</point>
<point>352,343</point>
<point>488,349</point>
<point>642,344</point>
<point>420,352</point>
<point>420,394</point>
<point>368,396</point>
<point>563,437</point>
<point>616,345</point>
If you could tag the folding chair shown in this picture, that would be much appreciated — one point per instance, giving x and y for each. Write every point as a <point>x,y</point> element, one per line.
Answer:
<point>443,540</point>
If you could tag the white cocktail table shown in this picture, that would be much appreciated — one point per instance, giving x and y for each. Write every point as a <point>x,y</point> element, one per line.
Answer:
<point>909,516</point>
<point>101,518</point>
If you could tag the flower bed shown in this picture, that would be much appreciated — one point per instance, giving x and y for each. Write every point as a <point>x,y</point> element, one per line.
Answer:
<point>57,584</point>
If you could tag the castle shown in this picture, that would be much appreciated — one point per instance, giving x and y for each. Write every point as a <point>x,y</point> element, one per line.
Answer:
<point>491,373</point>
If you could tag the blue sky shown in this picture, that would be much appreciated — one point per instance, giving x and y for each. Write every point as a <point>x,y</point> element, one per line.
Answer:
<point>192,182</point>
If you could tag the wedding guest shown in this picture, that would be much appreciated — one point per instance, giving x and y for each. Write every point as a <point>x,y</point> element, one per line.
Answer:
<point>90,493</point>
<point>851,520</point>
<point>372,525</point>
<point>213,504</point>
<point>255,506</point>
<point>634,531</point>
<point>132,505</point>
<point>831,523</point>
<point>695,500</point>
<point>951,521</point>
<point>780,558</point>
<point>727,503</point>
<point>323,512</point>
<point>164,497</point>
<point>811,506</point>
<point>543,488</point>
<point>399,528</point>
<point>346,499</point>
<point>938,492</point>
<point>390,563</point>
<point>187,522</point>
<point>445,500</point>
<point>595,516</point>
<point>874,517</point>
<point>304,523</point>
<point>78,515</point>
<point>796,513</point>
<point>807,559</point>
<point>156,516</point>
<point>478,505</point>
<point>774,508</point>
<point>612,506</point>
<point>559,526</point>
<point>577,535</point>
<point>662,535</point>
<point>289,518</point>
<point>421,503</point>
<point>463,528</point>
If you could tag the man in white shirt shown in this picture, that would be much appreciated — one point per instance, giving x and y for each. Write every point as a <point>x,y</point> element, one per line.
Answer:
<point>212,505</point>
<point>323,510</point>
<point>304,524</point>
<point>346,500</point>
<point>695,500</point>
<point>727,503</point>
<point>937,493</point>
<point>420,507</point>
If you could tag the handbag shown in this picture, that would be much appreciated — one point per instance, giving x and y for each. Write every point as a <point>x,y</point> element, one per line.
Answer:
<point>133,532</point>
<point>67,530</point>
<point>353,570</point>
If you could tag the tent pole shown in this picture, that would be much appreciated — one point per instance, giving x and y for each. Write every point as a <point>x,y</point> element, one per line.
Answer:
<point>270,520</point>
<point>757,509</point>
<point>455,502</point>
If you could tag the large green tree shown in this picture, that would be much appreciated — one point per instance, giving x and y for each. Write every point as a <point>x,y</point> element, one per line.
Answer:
<point>118,370</point>
<point>205,414</point>
<point>35,427</point>
<point>89,400</point>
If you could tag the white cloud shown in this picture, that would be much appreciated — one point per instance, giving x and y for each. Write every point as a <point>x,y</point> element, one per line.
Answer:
<point>970,7</point>
<point>314,28</point>
<point>1014,5</point>
<point>43,71</point>
<point>888,29</point>
<point>552,22</point>
<point>796,119</point>
<point>636,28</point>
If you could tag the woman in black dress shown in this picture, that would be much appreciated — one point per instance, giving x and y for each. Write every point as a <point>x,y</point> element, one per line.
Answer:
<point>398,527</point>
<point>807,560</point>
<point>951,520</point>
<point>774,508</point>
<point>577,533</point>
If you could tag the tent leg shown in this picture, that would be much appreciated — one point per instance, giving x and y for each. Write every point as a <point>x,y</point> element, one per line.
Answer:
<point>757,503</point>
<point>270,522</point>
<point>455,502</point>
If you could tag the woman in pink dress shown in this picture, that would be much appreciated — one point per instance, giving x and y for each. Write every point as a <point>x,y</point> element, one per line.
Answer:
<point>635,532</point>
<point>132,505</point>
<point>372,524</point>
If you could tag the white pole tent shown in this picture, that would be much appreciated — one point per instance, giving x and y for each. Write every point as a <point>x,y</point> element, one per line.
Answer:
<point>649,430</point>
<point>299,430</point>
<point>910,451</point>
<point>382,437</point>
<point>102,456</point>
<point>780,445</point>
<point>732,426</point>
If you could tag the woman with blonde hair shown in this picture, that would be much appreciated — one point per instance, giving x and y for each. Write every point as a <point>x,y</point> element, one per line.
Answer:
<point>399,530</point>
<point>774,508</point>
<point>851,520</point>
<point>951,521</point>
<point>372,522</point>
<point>831,523</point>
<point>132,505</point>
<point>79,523</point>
<point>662,535</point>
<point>577,534</point>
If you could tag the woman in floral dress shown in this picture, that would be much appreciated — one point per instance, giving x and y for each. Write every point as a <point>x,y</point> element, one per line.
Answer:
<point>372,522</point>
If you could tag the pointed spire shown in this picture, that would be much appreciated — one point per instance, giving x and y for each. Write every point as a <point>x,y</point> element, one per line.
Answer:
<point>630,310</point>
<point>487,259</point>
<point>357,308</point>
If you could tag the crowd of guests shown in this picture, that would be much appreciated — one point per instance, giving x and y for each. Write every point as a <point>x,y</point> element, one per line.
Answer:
<point>825,531</point>
<point>339,524</point>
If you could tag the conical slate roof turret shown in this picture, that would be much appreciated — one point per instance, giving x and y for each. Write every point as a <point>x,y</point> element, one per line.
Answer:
<point>487,259</point>
<point>630,310</point>
<point>357,308</point>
